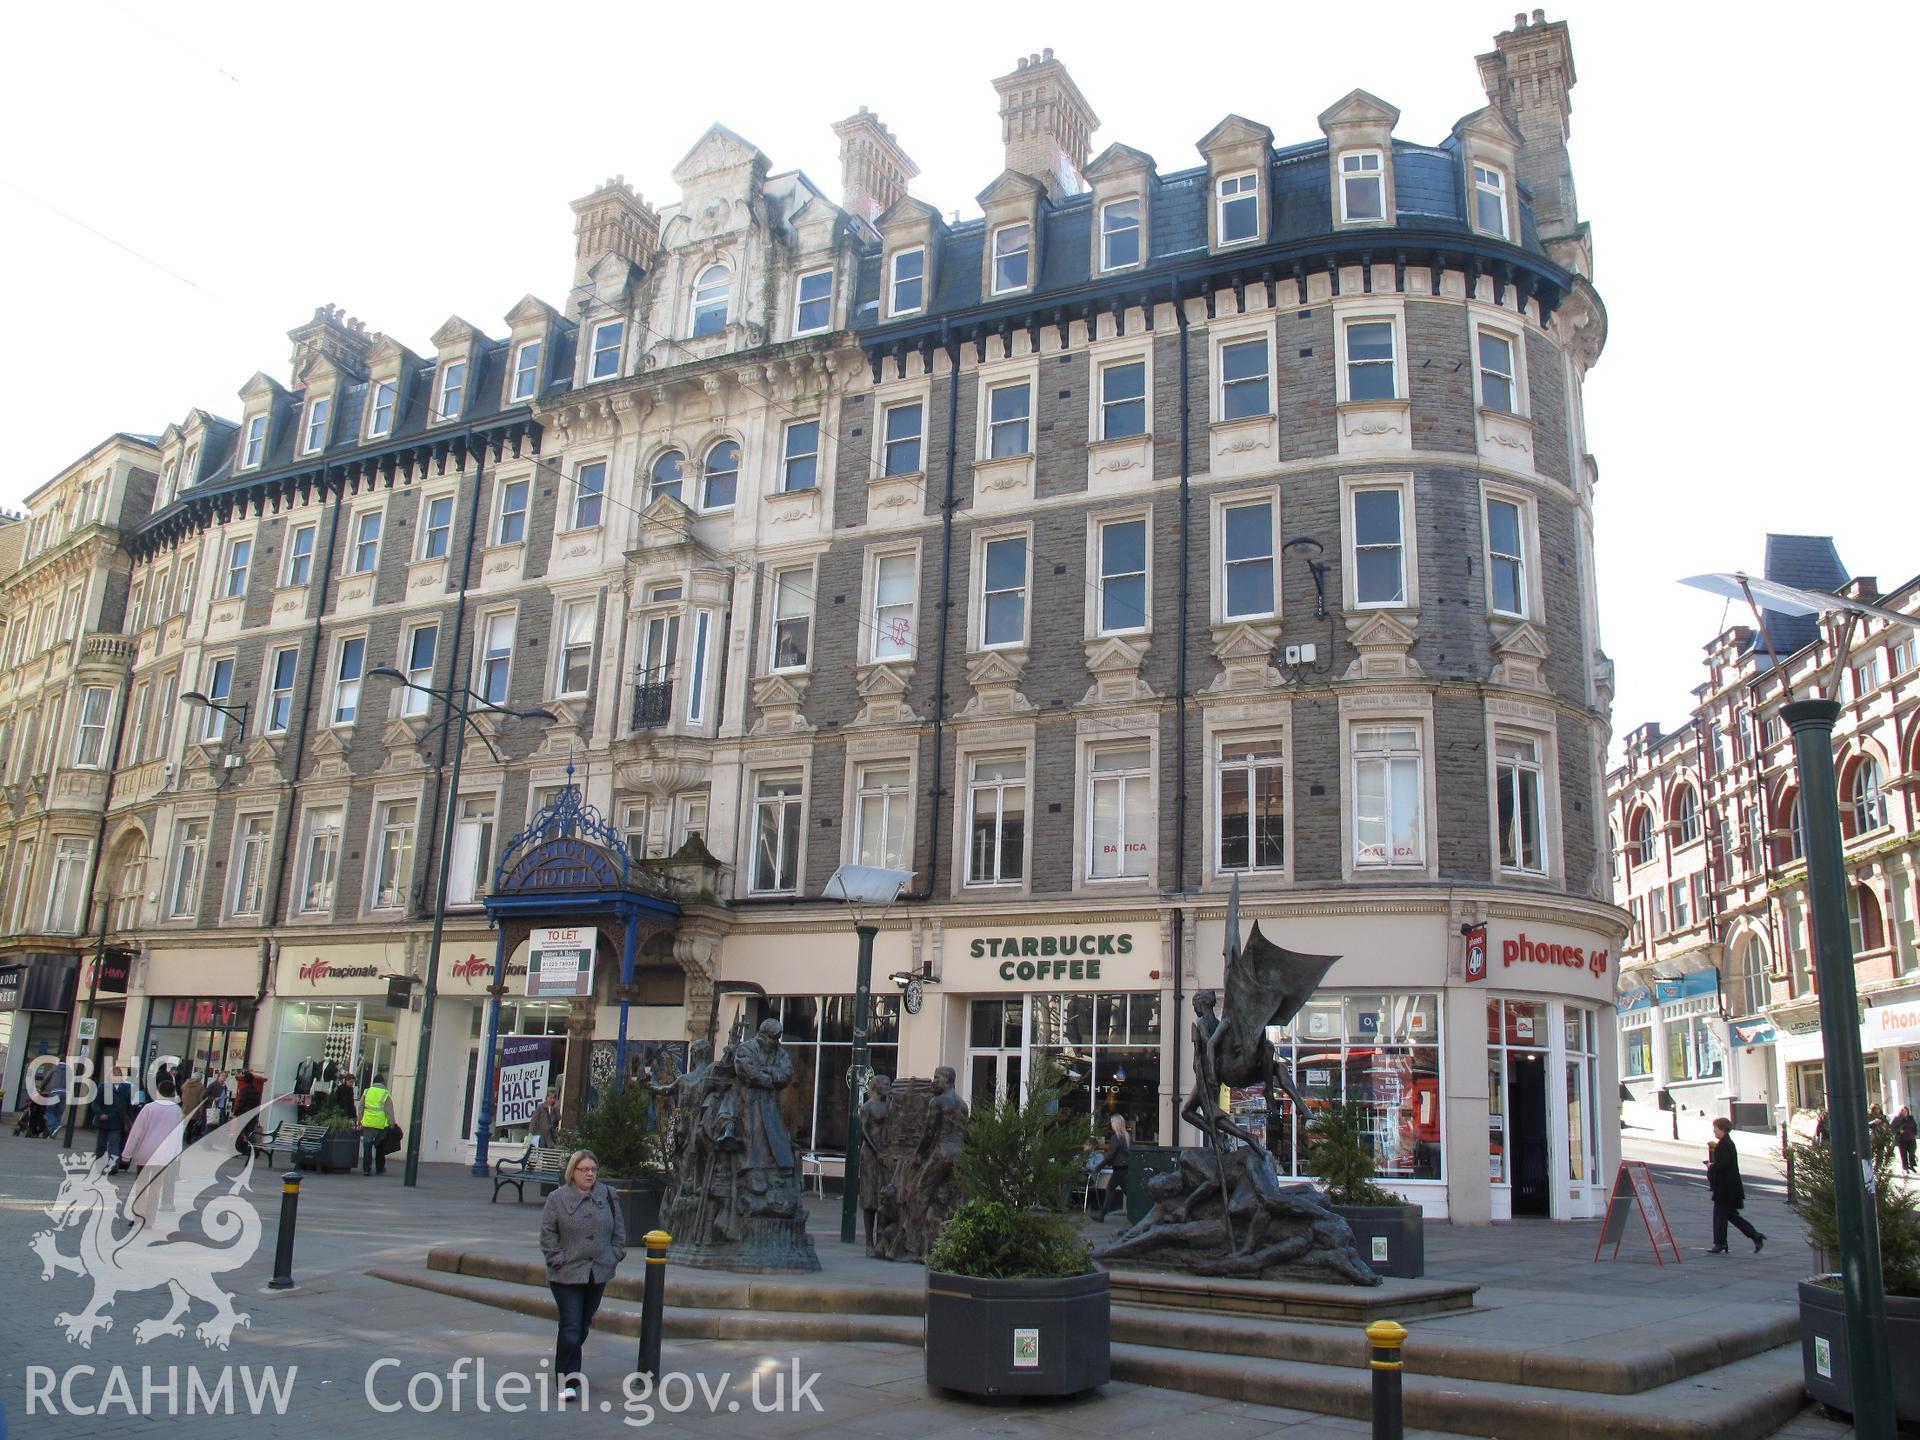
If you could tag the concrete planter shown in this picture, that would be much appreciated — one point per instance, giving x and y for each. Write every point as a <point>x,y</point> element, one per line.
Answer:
<point>640,1202</point>
<point>1823,1347</point>
<point>994,1338</point>
<point>1392,1238</point>
<point>340,1150</point>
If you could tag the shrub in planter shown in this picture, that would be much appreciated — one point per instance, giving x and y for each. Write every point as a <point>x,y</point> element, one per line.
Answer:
<point>620,1132</point>
<point>1391,1233</point>
<point>1824,1357</point>
<point>1015,1305</point>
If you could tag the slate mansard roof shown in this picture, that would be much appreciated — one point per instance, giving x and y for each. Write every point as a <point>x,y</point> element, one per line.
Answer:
<point>1430,192</point>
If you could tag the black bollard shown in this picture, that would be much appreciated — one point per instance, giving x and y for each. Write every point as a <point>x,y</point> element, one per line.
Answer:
<point>1386,1338</point>
<point>653,1302</point>
<point>283,1247</point>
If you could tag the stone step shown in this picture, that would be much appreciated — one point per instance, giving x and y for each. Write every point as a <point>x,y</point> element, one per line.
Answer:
<point>1654,1354</point>
<point>1749,1397</point>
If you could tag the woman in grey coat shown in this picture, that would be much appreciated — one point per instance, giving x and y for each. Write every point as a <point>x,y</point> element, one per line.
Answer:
<point>584,1238</point>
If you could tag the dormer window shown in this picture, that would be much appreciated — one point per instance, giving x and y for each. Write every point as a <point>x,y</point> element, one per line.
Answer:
<point>712,289</point>
<point>255,449</point>
<point>1362,195</point>
<point>169,484</point>
<point>319,411</point>
<point>453,390</point>
<point>1012,258</point>
<point>1119,234</point>
<point>1239,201</point>
<point>190,468</point>
<point>380,409</point>
<point>603,361</point>
<point>813,302</point>
<point>1490,200</point>
<point>526,371</point>
<point>908,289</point>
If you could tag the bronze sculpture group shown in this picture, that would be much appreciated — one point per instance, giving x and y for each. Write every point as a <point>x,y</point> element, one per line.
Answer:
<point>734,1201</point>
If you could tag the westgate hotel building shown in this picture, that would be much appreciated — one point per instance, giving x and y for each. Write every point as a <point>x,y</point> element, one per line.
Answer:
<point>1149,529</point>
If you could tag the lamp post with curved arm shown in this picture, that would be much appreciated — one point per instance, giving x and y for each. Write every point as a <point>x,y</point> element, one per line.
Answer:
<point>462,705</point>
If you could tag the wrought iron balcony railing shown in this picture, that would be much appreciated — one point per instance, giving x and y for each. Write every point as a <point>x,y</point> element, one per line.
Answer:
<point>652,697</point>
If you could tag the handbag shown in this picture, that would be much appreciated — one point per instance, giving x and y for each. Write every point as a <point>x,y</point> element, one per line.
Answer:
<point>390,1139</point>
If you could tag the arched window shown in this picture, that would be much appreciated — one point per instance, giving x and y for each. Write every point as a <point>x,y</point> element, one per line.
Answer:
<point>710,291</point>
<point>1751,990</point>
<point>1867,803</point>
<point>1683,816</point>
<point>664,478</point>
<point>1863,919</point>
<point>129,876</point>
<point>1644,849</point>
<point>722,476</point>
<point>1786,836</point>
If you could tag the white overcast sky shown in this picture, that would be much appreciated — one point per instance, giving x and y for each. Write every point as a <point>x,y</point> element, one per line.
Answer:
<point>184,183</point>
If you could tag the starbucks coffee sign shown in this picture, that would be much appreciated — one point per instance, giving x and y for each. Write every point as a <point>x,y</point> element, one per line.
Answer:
<point>1052,956</point>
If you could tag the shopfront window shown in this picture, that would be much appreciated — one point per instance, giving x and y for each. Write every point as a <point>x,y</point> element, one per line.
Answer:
<point>1108,1048</point>
<point>817,1031</point>
<point>1693,1050</point>
<point>320,1040</point>
<point>517,1018</point>
<point>210,1035</point>
<point>1637,1054</point>
<point>1582,1135</point>
<point>1382,1050</point>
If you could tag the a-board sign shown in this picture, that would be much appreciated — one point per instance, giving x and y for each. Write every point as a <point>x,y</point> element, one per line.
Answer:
<point>1633,1186</point>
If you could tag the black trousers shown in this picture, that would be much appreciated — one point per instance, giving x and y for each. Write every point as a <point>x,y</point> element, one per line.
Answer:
<point>577,1304</point>
<point>1725,1215</point>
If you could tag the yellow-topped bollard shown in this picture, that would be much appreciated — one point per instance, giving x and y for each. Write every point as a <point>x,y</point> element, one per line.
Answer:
<point>1386,1337</point>
<point>653,1302</point>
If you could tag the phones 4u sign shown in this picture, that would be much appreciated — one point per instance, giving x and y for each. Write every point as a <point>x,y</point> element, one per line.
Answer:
<point>560,961</point>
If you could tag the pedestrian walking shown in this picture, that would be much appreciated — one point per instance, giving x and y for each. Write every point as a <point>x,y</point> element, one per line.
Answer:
<point>344,1097</point>
<point>1906,1130</point>
<point>246,1100</point>
<point>583,1237</point>
<point>113,1118</point>
<point>153,1145</point>
<point>193,1092</point>
<point>56,1092</point>
<point>546,1119</point>
<point>1119,1144</point>
<point>376,1115</point>
<point>1729,1195</point>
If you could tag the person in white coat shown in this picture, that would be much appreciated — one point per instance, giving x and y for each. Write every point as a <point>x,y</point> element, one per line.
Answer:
<point>151,1147</point>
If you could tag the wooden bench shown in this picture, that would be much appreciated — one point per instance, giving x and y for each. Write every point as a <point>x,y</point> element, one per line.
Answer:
<point>268,1141</point>
<point>305,1142</point>
<point>548,1166</point>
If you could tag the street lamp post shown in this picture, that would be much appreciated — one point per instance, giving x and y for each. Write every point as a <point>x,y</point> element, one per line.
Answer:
<point>1812,721</point>
<point>452,698</point>
<point>868,891</point>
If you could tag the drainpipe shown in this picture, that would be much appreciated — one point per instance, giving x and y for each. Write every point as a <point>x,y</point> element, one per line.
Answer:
<point>453,662</point>
<point>1180,703</point>
<point>304,724</point>
<point>93,879</point>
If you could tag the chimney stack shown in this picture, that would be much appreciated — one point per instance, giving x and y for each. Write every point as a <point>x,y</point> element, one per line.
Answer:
<point>1046,124</point>
<point>1528,76</point>
<point>874,170</point>
<point>613,219</point>
<point>331,333</point>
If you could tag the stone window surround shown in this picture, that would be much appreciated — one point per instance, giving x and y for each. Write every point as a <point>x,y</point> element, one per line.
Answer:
<point>1531,577</point>
<point>1133,188</point>
<point>1510,327</point>
<point>335,651</point>
<point>983,742</point>
<point>869,571</point>
<point>387,793</point>
<point>316,396</point>
<point>891,279</point>
<point>1217,504</point>
<point>1539,724</point>
<point>885,397</point>
<point>1401,480</point>
<point>833,298</point>
<point>562,597</point>
<point>976,588</point>
<point>1383,176</point>
<point>236,848</point>
<point>992,376</point>
<point>763,767</point>
<point>1099,731</point>
<point>1389,706</point>
<point>1097,519</point>
<point>774,571</point>
<point>1352,309</point>
<point>865,752</point>
<point>1101,354</point>
<point>1222,724</point>
<point>1233,330</point>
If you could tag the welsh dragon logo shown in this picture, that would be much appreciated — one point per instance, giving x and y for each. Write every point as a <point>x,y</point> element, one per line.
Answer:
<point>137,1244</point>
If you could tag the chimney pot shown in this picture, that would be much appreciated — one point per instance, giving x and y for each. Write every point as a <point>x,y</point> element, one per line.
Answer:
<point>1520,21</point>
<point>1539,17</point>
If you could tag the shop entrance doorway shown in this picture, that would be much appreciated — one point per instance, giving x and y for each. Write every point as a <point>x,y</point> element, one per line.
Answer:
<point>1527,1133</point>
<point>995,1034</point>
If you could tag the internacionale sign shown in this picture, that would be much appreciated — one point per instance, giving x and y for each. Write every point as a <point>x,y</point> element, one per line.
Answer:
<point>560,961</point>
<point>1052,956</point>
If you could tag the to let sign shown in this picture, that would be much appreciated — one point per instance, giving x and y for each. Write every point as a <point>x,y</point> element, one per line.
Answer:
<point>560,961</point>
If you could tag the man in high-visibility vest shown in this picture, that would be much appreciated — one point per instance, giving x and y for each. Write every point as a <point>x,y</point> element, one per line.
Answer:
<point>376,1114</point>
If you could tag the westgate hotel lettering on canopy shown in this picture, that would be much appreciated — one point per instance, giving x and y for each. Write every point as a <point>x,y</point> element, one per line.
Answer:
<point>787,517</point>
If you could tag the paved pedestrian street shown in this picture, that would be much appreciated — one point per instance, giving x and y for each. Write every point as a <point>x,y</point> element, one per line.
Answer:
<point>347,1349</point>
